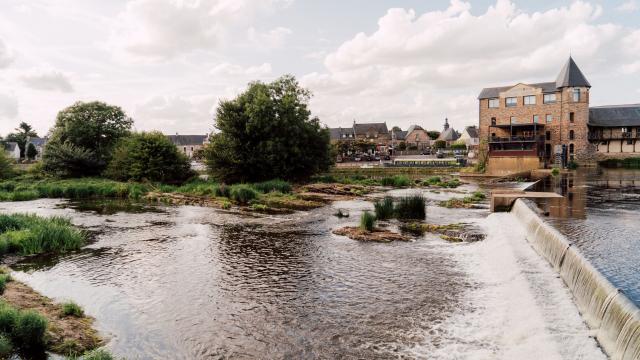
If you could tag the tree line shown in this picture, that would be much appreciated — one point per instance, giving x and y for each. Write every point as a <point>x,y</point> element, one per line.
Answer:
<point>266,132</point>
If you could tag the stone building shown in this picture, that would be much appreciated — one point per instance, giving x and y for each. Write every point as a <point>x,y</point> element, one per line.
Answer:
<point>449,135</point>
<point>417,138</point>
<point>375,134</point>
<point>527,125</point>
<point>189,144</point>
<point>615,131</point>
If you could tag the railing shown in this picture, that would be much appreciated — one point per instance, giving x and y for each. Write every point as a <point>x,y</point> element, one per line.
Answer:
<point>508,139</point>
<point>618,136</point>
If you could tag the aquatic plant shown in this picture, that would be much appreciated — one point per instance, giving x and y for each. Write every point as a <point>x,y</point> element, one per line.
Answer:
<point>70,308</point>
<point>225,205</point>
<point>367,221</point>
<point>30,330</point>
<point>259,207</point>
<point>555,172</point>
<point>384,208</point>
<point>273,185</point>
<point>84,188</point>
<point>396,181</point>
<point>434,180</point>
<point>98,354</point>
<point>242,193</point>
<point>31,234</point>
<point>4,279</point>
<point>411,207</point>
<point>6,347</point>
<point>222,191</point>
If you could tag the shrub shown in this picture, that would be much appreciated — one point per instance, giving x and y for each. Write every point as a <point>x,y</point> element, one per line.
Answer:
<point>572,165</point>
<point>4,279</point>
<point>72,309</point>
<point>273,185</point>
<point>412,207</point>
<point>148,156</point>
<point>30,330</point>
<point>226,205</point>
<point>387,181</point>
<point>434,180</point>
<point>68,160</point>
<point>98,354</point>
<point>6,167</point>
<point>259,207</point>
<point>242,193</point>
<point>555,172</point>
<point>8,318</point>
<point>325,179</point>
<point>25,195</point>
<point>401,181</point>
<point>222,191</point>
<point>6,348</point>
<point>367,221</point>
<point>384,208</point>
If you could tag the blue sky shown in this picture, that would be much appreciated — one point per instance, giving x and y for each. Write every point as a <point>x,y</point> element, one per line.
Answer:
<point>169,62</point>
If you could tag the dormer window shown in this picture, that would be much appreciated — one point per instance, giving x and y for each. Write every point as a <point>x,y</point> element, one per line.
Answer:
<point>511,102</point>
<point>494,103</point>
<point>576,95</point>
<point>549,98</point>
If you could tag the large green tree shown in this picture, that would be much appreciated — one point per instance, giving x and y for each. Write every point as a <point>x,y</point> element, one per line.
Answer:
<point>268,132</point>
<point>85,133</point>
<point>23,132</point>
<point>148,156</point>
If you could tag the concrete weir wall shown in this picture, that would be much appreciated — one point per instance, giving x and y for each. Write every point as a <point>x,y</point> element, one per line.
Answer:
<point>604,307</point>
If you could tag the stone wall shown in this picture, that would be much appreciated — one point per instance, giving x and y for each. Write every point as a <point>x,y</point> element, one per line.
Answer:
<point>505,165</point>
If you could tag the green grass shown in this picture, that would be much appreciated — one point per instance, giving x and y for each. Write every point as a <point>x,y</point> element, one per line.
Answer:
<point>72,309</point>
<point>437,181</point>
<point>273,185</point>
<point>475,197</point>
<point>242,193</point>
<point>84,188</point>
<point>98,354</point>
<point>411,207</point>
<point>384,208</point>
<point>27,234</point>
<point>24,328</point>
<point>367,221</point>
<point>4,279</point>
<point>6,347</point>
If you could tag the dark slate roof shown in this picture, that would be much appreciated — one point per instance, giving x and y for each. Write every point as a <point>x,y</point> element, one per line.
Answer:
<point>336,133</point>
<point>494,92</point>
<point>449,135</point>
<point>182,140</point>
<point>571,76</point>
<point>361,129</point>
<point>38,141</point>
<point>10,146</point>
<point>399,135</point>
<point>615,115</point>
<point>472,131</point>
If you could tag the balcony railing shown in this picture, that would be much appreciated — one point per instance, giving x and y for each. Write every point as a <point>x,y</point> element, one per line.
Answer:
<point>509,139</point>
<point>614,136</point>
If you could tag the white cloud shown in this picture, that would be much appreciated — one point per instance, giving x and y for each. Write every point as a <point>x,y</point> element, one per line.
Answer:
<point>628,6</point>
<point>47,80</point>
<point>6,57</point>
<point>227,69</point>
<point>8,106</point>
<point>177,113</point>
<point>274,38</point>
<point>160,30</point>
<point>445,57</point>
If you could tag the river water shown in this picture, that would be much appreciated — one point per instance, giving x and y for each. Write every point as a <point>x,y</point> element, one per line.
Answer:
<point>198,283</point>
<point>600,213</point>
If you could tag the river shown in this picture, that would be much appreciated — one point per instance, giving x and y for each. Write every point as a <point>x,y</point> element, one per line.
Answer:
<point>190,282</point>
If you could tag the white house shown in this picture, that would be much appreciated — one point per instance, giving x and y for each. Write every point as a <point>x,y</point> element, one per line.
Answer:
<point>13,150</point>
<point>189,144</point>
<point>470,136</point>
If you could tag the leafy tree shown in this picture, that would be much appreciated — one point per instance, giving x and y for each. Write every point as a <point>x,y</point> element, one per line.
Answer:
<point>396,128</point>
<point>23,132</point>
<point>68,160</point>
<point>267,132</point>
<point>6,166</point>
<point>402,146</point>
<point>148,156</point>
<point>440,144</point>
<point>85,129</point>
<point>32,152</point>
<point>433,134</point>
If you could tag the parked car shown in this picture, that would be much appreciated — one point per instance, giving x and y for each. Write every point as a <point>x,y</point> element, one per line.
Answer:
<point>387,157</point>
<point>376,157</point>
<point>357,158</point>
<point>440,154</point>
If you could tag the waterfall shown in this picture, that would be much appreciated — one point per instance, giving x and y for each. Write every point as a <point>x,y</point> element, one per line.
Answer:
<point>605,308</point>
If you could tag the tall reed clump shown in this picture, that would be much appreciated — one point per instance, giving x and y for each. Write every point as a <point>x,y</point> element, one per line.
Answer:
<point>384,208</point>
<point>396,181</point>
<point>367,221</point>
<point>31,234</point>
<point>273,185</point>
<point>23,329</point>
<point>242,193</point>
<point>411,207</point>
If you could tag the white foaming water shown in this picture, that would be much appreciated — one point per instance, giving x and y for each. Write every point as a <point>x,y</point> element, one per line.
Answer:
<point>518,309</point>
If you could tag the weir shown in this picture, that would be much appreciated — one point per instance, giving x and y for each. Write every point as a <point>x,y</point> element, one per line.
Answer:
<point>604,307</point>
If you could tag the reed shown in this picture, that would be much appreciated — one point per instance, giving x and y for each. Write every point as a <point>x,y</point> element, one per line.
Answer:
<point>273,185</point>
<point>31,234</point>
<point>242,193</point>
<point>411,207</point>
<point>72,309</point>
<point>384,208</point>
<point>367,221</point>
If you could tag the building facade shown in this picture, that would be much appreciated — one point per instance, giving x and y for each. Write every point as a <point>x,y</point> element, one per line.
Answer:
<point>189,145</point>
<point>12,150</point>
<point>615,131</point>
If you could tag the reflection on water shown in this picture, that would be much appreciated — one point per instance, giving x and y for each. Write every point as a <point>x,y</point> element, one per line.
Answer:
<point>191,282</point>
<point>599,213</point>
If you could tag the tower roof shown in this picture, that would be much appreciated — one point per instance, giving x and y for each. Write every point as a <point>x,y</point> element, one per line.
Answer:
<point>571,76</point>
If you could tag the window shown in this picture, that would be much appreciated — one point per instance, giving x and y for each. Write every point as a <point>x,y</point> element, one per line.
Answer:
<point>576,95</point>
<point>530,100</point>
<point>536,119</point>
<point>192,148</point>
<point>548,135</point>
<point>625,130</point>
<point>511,102</point>
<point>549,118</point>
<point>571,117</point>
<point>493,121</point>
<point>494,103</point>
<point>571,148</point>
<point>571,135</point>
<point>549,98</point>
<point>184,149</point>
<point>514,120</point>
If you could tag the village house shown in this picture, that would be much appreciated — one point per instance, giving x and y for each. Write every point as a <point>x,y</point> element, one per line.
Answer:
<point>449,135</point>
<point>39,144</point>
<point>12,150</point>
<point>470,137</point>
<point>189,145</point>
<point>417,138</point>
<point>375,134</point>
<point>527,126</point>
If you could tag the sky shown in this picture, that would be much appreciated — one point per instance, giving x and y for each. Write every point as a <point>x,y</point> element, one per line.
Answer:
<point>168,63</point>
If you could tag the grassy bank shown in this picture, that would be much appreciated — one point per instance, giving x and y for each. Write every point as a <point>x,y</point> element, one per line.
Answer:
<point>31,234</point>
<point>82,188</point>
